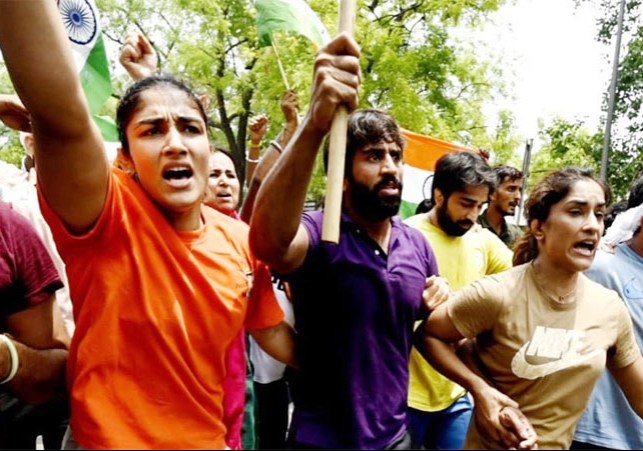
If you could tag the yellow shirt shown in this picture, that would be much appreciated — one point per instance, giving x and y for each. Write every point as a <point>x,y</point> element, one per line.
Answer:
<point>461,260</point>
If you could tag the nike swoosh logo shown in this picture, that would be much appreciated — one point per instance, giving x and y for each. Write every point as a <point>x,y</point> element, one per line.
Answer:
<point>526,370</point>
<point>631,291</point>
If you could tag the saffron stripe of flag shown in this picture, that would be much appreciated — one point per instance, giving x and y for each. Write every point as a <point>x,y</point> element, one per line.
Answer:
<point>420,155</point>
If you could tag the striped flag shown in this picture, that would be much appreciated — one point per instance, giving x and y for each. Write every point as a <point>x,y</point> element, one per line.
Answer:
<point>80,18</point>
<point>289,15</point>
<point>420,156</point>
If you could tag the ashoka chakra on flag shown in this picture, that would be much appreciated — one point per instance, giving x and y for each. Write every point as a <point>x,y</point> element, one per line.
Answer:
<point>79,19</point>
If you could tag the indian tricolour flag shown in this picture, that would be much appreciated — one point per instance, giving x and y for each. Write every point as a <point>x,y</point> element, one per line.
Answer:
<point>80,18</point>
<point>420,156</point>
<point>289,15</point>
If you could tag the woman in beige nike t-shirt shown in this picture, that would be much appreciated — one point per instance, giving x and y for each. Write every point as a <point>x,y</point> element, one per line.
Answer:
<point>543,331</point>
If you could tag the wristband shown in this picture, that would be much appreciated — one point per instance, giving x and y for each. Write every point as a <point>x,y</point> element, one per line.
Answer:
<point>250,160</point>
<point>255,146</point>
<point>13,353</point>
<point>277,146</point>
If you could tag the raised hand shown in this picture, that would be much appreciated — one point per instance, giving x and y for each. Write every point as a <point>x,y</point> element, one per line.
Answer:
<point>290,108</point>
<point>258,126</point>
<point>337,80</point>
<point>138,56</point>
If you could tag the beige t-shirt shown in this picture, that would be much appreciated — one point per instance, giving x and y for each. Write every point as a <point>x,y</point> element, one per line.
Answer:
<point>545,355</point>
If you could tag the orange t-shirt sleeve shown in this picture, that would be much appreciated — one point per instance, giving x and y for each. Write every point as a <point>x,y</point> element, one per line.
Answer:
<point>263,309</point>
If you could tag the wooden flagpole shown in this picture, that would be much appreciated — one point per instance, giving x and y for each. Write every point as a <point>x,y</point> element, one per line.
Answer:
<point>281,67</point>
<point>337,145</point>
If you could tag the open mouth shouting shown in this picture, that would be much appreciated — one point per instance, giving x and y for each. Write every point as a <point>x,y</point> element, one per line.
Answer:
<point>389,187</point>
<point>586,247</point>
<point>178,176</point>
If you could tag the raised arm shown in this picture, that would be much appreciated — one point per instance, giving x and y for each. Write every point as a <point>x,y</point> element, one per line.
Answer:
<point>256,175</point>
<point>276,234</point>
<point>72,164</point>
<point>257,126</point>
<point>138,56</point>
<point>290,108</point>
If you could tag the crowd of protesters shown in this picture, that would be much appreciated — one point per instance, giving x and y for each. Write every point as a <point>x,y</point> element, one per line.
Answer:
<point>201,323</point>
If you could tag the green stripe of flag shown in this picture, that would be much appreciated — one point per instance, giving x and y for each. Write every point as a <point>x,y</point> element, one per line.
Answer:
<point>107,127</point>
<point>95,77</point>
<point>407,209</point>
<point>97,84</point>
<point>289,15</point>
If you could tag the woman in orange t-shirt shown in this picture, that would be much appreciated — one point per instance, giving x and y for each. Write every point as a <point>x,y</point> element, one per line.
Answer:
<point>161,284</point>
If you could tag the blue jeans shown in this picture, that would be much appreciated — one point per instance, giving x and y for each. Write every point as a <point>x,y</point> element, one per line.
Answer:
<point>446,429</point>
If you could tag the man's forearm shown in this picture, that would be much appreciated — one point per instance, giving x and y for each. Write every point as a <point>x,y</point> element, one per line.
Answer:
<point>286,134</point>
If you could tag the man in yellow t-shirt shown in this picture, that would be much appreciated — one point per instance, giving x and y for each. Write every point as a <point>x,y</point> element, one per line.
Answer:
<point>439,409</point>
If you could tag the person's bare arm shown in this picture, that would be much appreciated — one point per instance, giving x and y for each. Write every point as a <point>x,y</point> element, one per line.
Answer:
<point>138,56</point>
<point>434,339</point>
<point>630,379</point>
<point>518,427</point>
<point>276,234</point>
<point>13,113</point>
<point>41,341</point>
<point>278,342</point>
<point>290,108</point>
<point>73,169</point>
<point>256,172</point>
<point>257,126</point>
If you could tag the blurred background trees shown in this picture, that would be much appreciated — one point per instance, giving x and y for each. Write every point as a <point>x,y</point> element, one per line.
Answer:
<point>414,65</point>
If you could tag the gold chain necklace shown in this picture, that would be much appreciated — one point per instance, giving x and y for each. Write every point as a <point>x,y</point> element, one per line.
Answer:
<point>561,298</point>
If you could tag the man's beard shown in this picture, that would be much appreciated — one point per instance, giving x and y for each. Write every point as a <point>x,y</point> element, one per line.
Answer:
<point>449,226</point>
<point>368,204</point>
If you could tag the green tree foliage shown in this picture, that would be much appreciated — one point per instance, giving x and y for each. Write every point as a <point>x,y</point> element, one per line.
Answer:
<point>11,150</point>
<point>565,143</point>
<point>414,68</point>
<point>504,142</point>
<point>625,162</point>
<point>412,65</point>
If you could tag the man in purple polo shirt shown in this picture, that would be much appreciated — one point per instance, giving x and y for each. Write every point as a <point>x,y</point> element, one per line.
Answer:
<point>355,302</point>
